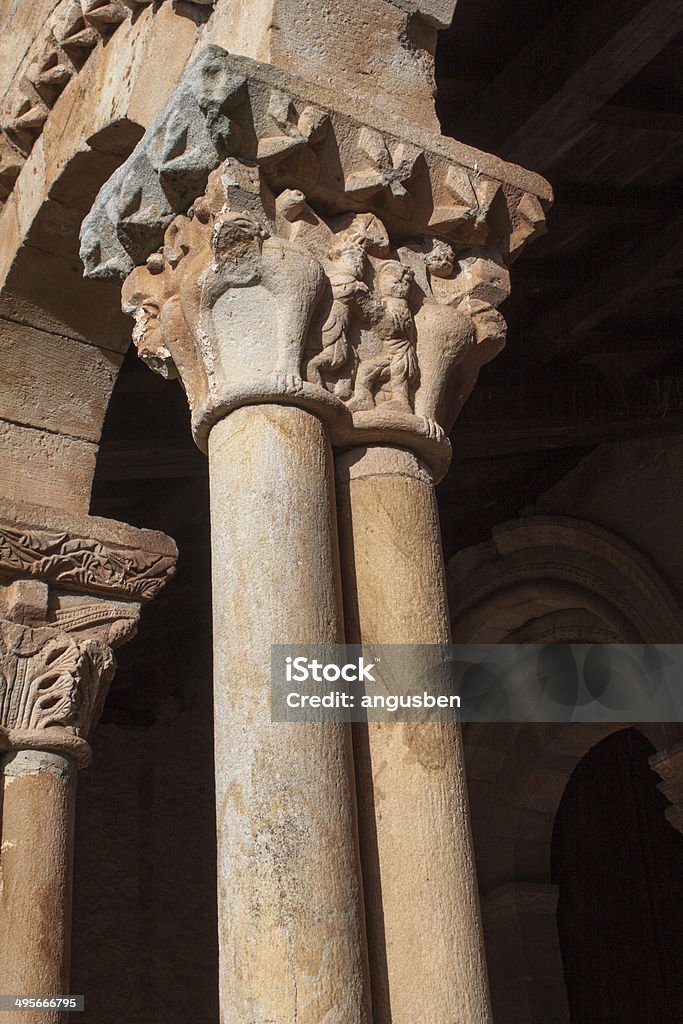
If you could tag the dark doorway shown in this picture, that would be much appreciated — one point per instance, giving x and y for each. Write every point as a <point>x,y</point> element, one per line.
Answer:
<point>619,867</point>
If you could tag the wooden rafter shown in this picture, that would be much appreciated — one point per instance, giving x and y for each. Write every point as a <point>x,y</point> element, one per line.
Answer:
<point>576,64</point>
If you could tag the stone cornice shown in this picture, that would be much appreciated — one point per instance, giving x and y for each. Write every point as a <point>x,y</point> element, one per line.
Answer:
<point>83,553</point>
<point>302,138</point>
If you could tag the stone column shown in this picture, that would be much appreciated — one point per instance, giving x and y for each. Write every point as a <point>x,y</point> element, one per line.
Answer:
<point>426,950</point>
<point>416,845</point>
<point>226,304</point>
<point>290,904</point>
<point>66,600</point>
<point>314,273</point>
<point>38,801</point>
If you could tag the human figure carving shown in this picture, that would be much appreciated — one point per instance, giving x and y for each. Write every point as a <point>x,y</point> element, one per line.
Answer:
<point>348,289</point>
<point>394,328</point>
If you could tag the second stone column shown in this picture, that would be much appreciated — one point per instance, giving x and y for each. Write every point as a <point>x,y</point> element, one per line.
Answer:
<point>425,943</point>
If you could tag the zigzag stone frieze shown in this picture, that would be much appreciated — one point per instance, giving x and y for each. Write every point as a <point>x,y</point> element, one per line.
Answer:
<point>57,54</point>
<point>224,105</point>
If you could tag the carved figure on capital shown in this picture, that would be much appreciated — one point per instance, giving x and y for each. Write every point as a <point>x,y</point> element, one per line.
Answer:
<point>257,298</point>
<point>393,365</point>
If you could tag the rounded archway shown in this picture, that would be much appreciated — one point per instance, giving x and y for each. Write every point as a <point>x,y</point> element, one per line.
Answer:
<point>618,866</point>
<point>543,579</point>
<point>555,579</point>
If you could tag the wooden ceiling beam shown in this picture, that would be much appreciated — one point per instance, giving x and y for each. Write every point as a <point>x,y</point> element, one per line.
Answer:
<point>655,258</point>
<point>576,64</point>
<point>640,118</point>
<point>506,422</point>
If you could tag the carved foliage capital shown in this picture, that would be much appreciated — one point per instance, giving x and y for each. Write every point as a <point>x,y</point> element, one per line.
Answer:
<point>52,687</point>
<point>56,664</point>
<point>276,248</point>
<point>253,298</point>
<point>66,602</point>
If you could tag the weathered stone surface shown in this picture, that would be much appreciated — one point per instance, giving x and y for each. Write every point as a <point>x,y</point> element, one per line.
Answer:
<point>66,601</point>
<point>39,791</point>
<point>416,846</point>
<point>385,44</point>
<point>41,295</point>
<point>438,12</point>
<point>94,123</point>
<point>355,275</point>
<point>378,53</point>
<point>289,891</point>
<point>52,687</point>
<point>48,469</point>
<point>45,379</point>
<point>187,139</point>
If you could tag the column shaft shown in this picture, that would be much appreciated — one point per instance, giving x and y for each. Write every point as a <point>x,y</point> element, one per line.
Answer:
<point>290,902</point>
<point>424,930</point>
<point>36,861</point>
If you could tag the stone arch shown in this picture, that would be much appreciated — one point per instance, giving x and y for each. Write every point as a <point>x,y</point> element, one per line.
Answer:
<point>558,579</point>
<point>542,579</point>
<point>62,336</point>
<point>517,775</point>
<point>545,579</point>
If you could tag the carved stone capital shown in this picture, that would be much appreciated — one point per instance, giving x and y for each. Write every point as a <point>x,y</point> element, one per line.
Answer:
<point>56,664</point>
<point>68,598</point>
<point>52,688</point>
<point>669,766</point>
<point>275,249</point>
